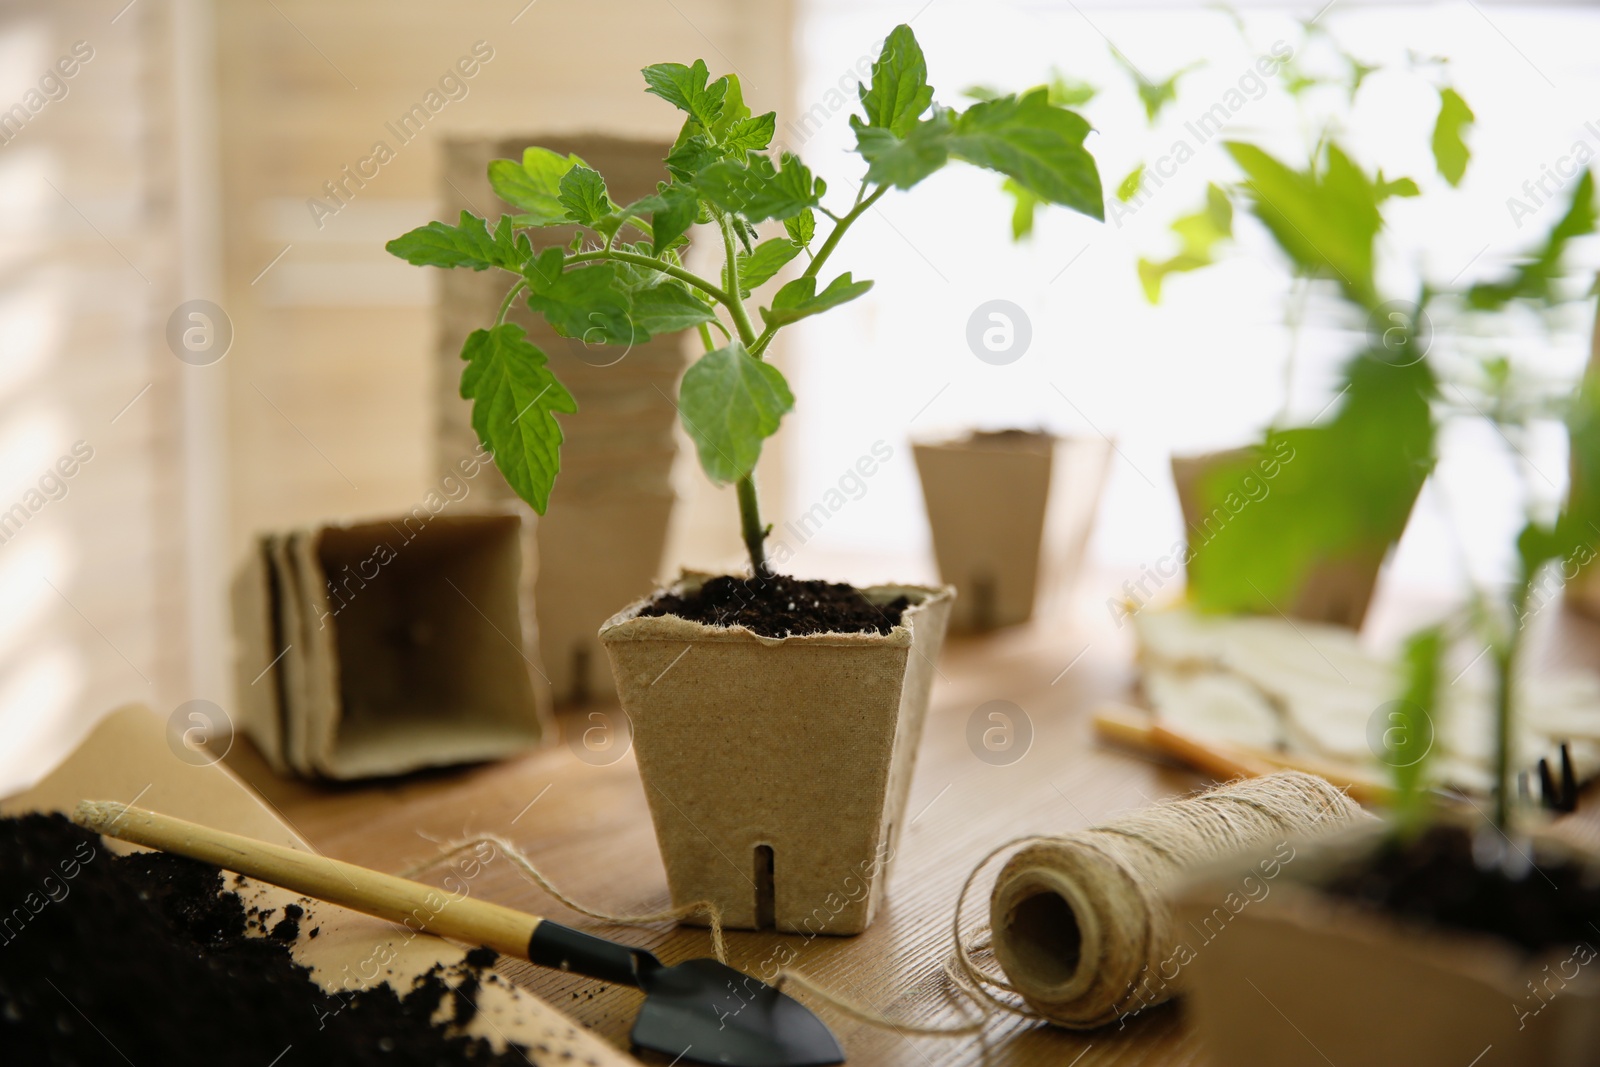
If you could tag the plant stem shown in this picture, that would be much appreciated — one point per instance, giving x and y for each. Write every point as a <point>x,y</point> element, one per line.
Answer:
<point>1502,739</point>
<point>822,254</point>
<point>755,534</point>
<point>1505,659</point>
<point>505,305</point>
<point>838,231</point>
<point>687,277</point>
<point>741,319</point>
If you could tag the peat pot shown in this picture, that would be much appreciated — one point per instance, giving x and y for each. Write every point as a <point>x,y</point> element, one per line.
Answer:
<point>1337,590</point>
<point>1281,974</point>
<point>1010,512</point>
<point>777,768</point>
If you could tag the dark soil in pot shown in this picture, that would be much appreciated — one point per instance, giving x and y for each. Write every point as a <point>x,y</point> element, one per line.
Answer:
<point>147,958</point>
<point>780,606</point>
<point>1013,438</point>
<point>1436,879</point>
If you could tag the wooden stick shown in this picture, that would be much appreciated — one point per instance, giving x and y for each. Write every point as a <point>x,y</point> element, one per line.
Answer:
<point>1133,727</point>
<point>1220,763</point>
<point>412,904</point>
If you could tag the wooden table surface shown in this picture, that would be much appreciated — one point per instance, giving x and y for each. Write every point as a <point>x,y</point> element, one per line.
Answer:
<point>588,828</point>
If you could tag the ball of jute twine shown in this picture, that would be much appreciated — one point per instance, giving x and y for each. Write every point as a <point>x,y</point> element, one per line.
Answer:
<point>1081,922</point>
<point>1111,879</point>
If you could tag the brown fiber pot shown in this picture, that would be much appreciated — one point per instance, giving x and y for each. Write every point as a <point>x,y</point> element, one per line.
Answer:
<point>777,769</point>
<point>1337,590</point>
<point>1279,974</point>
<point>1010,513</point>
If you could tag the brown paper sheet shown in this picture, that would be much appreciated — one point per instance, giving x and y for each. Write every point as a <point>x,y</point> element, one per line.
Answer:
<point>127,758</point>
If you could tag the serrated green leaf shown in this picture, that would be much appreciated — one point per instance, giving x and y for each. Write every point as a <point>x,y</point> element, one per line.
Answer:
<point>1326,223</point>
<point>757,190</point>
<point>1450,152</point>
<point>668,308</point>
<point>1069,92</point>
<point>514,400</point>
<point>801,227</point>
<point>733,110</point>
<point>766,260</point>
<point>534,185</point>
<point>685,88</point>
<point>691,154</point>
<point>1403,187</point>
<point>587,302</point>
<point>904,161</point>
<point>1335,493</point>
<point>583,194</point>
<point>1154,95</point>
<point>750,134</point>
<point>899,91</point>
<point>730,403</point>
<point>681,205</point>
<point>468,244</point>
<point>1535,278</point>
<point>1025,206</point>
<point>1039,145</point>
<point>1198,234</point>
<point>1130,185</point>
<point>1411,729</point>
<point>800,299</point>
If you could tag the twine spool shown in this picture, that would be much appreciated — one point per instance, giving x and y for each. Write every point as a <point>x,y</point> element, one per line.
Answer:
<point>1081,922</point>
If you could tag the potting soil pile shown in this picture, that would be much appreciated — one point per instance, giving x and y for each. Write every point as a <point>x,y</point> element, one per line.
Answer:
<point>150,958</point>
<point>1311,689</point>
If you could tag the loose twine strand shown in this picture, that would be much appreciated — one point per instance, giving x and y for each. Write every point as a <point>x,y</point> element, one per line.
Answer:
<point>719,946</point>
<point>1123,872</point>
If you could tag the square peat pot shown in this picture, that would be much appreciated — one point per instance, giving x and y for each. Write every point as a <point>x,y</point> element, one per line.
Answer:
<point>777,768</point>
<point>1010,512</point>
<point>1338,589</point>
<point>1276,973</point>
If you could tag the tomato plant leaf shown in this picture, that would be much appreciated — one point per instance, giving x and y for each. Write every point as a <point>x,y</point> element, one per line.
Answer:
<point>468,244</point>
<point>583,194</point>
<point>759,191</point>
<point>1035,143</point>
<point>587,301</point>
<point>800,299</point>
<point>903,161</point>
<point>899,91</point>
<point>668,223</point>
<point>514,401</point>
<point>1535,277</point>
<point>534,185</point>
<point>801,227</point>
<point>766,260</point>
<point>685,88</point>
<point>1450,152</point>
<point>667,308</point>
<point>1325,222</point>
<point>731,402</point>
<point>750,134</point>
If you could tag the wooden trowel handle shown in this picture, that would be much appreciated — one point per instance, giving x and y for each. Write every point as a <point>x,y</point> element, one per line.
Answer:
<point>412,904</point>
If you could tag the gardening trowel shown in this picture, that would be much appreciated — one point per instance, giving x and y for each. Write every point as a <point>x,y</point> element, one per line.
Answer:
<point>701,1011</point>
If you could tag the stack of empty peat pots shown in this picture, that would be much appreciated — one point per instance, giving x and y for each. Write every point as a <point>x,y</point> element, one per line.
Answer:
<point>600,543</point>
